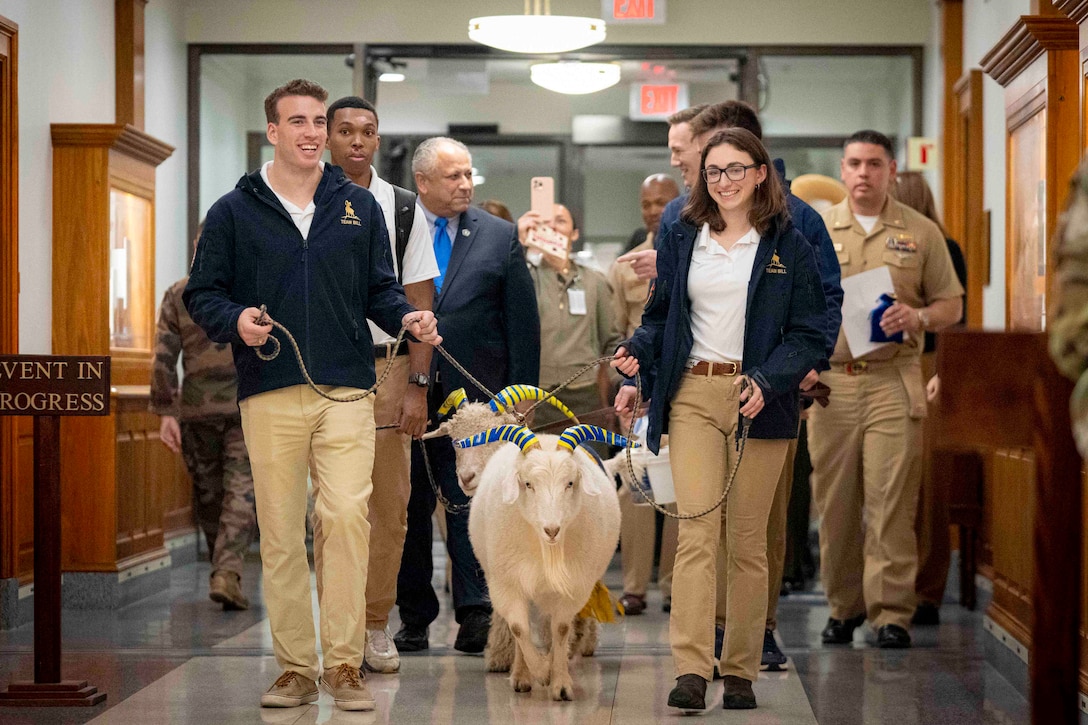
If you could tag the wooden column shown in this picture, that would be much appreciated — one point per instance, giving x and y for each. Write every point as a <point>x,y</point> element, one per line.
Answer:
<point>129,44</point>
<point>952,69</point>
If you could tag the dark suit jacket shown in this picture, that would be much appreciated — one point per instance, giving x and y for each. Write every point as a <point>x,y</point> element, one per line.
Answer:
<point>486,310</point>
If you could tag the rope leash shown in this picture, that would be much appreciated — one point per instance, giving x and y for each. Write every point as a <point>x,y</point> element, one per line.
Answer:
<point>459,508</point>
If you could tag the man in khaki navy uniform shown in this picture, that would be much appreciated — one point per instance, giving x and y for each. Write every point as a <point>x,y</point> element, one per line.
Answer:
<point>866,445</point>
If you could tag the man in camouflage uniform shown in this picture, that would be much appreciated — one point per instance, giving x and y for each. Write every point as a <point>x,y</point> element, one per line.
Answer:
<point>202,422</point>
<point>1069,324</point>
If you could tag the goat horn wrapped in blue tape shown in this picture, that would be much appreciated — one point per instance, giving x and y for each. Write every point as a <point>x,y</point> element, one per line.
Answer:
<point>513,394</point>
<point>519,435</point>
<point>575,436</point>
<point>456,399</point>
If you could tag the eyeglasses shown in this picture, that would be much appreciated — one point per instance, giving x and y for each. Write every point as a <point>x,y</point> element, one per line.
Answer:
<point>734,173</point>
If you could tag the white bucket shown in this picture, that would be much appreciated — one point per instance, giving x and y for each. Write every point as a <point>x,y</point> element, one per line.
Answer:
<point>660,474</point>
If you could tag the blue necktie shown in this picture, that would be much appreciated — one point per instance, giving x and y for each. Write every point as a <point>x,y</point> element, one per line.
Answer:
<point>443,247</point>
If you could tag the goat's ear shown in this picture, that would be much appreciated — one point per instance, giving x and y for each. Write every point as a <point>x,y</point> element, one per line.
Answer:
<point>510,488</point>
<point>442,430</point>
<point>591,484</point>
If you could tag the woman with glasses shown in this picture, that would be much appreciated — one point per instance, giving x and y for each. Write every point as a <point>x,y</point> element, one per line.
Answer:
<point>735,320</point>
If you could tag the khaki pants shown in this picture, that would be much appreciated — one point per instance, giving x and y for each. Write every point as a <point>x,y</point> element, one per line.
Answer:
<point>866,458</point>
<point>931,527</point>
<point>637,534</point>
<point>392,488</point>
<point>285,430</point>
<point>776,544</point>
<point>701,443</point>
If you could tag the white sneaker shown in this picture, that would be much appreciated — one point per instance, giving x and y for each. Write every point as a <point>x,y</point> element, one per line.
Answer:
<point>381,653</point>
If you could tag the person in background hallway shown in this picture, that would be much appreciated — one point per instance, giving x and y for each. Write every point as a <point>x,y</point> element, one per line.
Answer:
<point>931,526</point>
<point>656,191</point>
<point>867,444</point>
<point>201,421</point>
<point>711,120</point>
<point>735,320</point>
<point>298,237</point>
<point>494,207</point>
<point>402,399</point>
<point>576,322</point>
<point>638,522</point>
<point>488,316</point>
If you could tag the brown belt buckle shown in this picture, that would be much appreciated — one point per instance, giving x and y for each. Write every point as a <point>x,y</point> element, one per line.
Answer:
<point>856,368</point>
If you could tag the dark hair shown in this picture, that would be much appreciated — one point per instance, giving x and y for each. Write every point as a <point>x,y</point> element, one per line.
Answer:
<point>769,201</point>
<point>573,217</point>
<point>730,114</point>
<point>685,115</point>
<point>873,137</point>
<point>494,207</point>
<point>910,188</point>
<point>297,87</point>
<point>350,102</point>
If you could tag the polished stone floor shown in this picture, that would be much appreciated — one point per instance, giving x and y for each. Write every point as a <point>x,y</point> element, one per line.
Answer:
<point>177,658</point>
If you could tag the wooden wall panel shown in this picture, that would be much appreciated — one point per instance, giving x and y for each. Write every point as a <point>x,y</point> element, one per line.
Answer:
<point>10,542</point>
<point>140,511</point>
<point>1013,516</point>
<point>23,511</point>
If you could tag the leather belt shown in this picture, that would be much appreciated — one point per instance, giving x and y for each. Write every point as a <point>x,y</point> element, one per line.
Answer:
<point>702,367</point>
<point>861,367</point>
<point>386,349</point>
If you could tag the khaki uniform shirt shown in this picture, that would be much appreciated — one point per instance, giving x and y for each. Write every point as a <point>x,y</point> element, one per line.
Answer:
<point>629,292</point>
<point>913,249</point>
<point>210,386</point>
<point>571,341</point>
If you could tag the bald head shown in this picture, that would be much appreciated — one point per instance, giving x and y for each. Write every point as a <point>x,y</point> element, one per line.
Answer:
<point>656,192</point>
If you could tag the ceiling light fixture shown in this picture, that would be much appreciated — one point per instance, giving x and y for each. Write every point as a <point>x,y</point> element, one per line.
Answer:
<point>575,78</point>
<point>391,77</point>
<point>536,32</point>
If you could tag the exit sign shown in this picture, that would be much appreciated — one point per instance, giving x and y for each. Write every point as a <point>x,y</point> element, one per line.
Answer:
<point>657,101</point>
<point>647,12</point>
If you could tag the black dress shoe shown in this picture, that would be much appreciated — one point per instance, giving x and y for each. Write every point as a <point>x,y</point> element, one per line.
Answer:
<point>689,693</point>
<point>892,636</point>
<point>841,631</point>
<point>738,694</point>
<point>411,639</point>
<point>926,615</point>
<point>666,605</point>
<point>472,635</point>
<point>633,604</point>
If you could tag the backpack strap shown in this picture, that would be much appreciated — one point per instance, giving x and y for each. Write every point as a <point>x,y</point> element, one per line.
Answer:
<point>405,214</point>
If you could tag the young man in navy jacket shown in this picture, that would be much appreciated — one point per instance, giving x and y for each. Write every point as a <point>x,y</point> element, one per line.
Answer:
<point>298,238</point>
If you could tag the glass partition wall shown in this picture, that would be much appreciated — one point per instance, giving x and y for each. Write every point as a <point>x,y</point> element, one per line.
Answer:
<point>594,145</point>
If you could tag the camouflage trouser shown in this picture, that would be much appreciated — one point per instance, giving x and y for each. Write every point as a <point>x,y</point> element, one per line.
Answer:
<point>215,454</point>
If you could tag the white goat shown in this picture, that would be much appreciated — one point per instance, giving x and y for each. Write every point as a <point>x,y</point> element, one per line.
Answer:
<point>544,525</point>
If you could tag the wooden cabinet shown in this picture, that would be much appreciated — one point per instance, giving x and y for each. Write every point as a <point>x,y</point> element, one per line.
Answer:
<point>104,304</point>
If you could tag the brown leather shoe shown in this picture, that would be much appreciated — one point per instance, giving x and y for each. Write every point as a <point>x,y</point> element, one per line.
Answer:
<point>633,604</point>
<point>226,589</point>
<point>738,693</point>
<point>347,685</point>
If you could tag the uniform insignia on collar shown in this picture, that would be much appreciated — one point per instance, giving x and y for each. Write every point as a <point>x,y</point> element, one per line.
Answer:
<point>349,215</point>
<point>901,243</point>
<point>465,232</point>
<point>776,266</point>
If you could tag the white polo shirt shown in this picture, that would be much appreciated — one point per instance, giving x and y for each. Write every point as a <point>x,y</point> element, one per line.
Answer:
<point>718,291</point>
<point>419,261</point>
<point>302,218</point>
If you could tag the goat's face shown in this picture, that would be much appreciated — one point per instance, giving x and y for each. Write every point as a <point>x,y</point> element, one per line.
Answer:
<point>547,487</point>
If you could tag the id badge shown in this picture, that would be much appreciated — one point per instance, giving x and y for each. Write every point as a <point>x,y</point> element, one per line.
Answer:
<point>576,301</point>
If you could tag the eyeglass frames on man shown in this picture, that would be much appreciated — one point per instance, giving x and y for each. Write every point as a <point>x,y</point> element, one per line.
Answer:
<point>734,173</point>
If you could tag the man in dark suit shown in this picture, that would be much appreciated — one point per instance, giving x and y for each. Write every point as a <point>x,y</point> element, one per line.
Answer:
<point>487,316</point>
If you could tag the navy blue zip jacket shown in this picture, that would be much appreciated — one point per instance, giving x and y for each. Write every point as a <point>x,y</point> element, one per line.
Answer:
<point>322,288</point>
<point>809,222</point>
<point>784,327</point>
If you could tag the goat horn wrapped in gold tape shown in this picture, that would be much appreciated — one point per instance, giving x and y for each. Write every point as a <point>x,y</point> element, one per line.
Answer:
<point>454,400</point>
<point>513,394</point>
<point>575,436</point>
<point>519,435</point>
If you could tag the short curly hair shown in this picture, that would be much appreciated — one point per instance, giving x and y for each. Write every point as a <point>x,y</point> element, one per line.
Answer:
<point>297,87</point>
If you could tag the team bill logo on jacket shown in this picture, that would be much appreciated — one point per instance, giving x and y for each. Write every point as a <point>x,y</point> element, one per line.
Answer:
<point>776,266</point>
<point>349,215</point>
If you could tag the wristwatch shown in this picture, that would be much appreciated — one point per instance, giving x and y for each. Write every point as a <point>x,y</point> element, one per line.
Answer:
<point>923,318</point>
<point>420,379</point>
